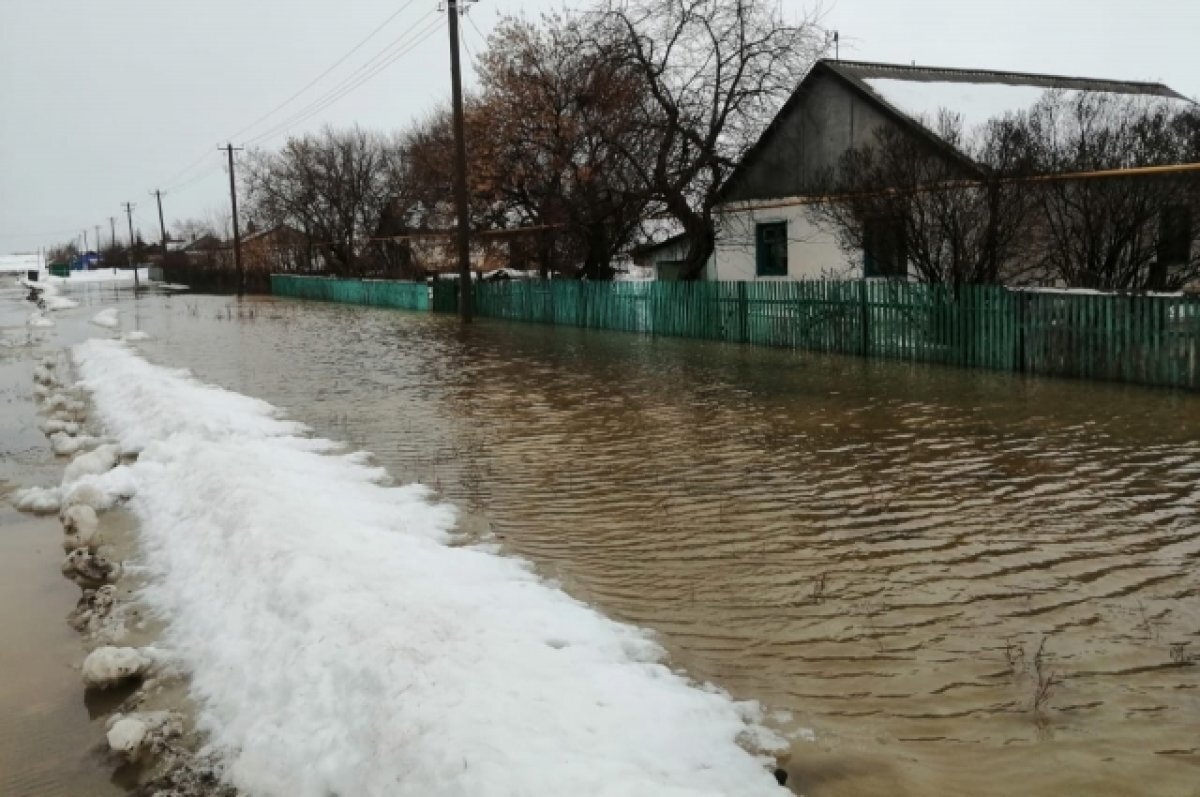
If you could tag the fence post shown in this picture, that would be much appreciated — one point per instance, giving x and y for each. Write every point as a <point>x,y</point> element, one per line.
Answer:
<point>864,318</point>
<point>743,305</point>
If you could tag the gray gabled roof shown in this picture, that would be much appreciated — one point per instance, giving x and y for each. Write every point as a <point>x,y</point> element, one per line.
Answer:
<point>864,77</point>
<point>862,70</point>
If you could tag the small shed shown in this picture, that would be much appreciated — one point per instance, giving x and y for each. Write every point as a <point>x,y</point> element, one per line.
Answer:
<point>665,258</point>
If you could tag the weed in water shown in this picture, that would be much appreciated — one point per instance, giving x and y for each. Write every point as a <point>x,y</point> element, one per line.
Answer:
<point>1046,680</point>
<point>1014,656</point>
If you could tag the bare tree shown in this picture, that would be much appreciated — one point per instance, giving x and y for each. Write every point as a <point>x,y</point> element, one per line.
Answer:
<point>561,114</point>
<point>1125,233</point>
<point>712,74</point>
<point>945,208</point>
<point>62,253</point>
<point>332,186</point>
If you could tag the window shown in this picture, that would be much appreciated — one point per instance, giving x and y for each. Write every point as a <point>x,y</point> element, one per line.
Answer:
<point>884,248</point>
<point>770,249</point>
<point>1175,235</point>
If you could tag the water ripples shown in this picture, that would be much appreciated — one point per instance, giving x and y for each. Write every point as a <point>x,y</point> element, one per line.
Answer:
<point>877,548</point>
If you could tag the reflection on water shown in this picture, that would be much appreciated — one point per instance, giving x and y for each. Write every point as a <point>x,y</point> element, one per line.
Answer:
<point>879,549</point>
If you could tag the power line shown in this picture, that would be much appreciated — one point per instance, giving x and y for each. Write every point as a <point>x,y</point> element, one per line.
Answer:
<point>334,66</point>
<point>369,70</point>
<point>361,43</point>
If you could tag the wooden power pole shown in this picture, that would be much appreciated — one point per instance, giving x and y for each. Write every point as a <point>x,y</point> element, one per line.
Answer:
<point>237,237</point>
<point>161,226</point>
<point>460,171</point>
<point>129,217</point>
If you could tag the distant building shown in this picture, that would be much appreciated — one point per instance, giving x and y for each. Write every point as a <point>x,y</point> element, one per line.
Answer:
<point>281,248</point>
<point>20,264</point>
<point>765,230</point>
<point>665,258</point>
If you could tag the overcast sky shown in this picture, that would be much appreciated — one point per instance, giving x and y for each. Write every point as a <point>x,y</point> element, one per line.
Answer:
<point>102,102</point>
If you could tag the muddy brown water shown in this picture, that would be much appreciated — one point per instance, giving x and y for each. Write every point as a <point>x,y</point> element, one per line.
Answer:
<point>50,733</point>
<point>875,551</point>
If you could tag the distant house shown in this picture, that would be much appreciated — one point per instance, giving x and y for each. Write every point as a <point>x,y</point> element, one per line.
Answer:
<point>20,264</point>
<point>207,250</point>
<point>281,248</point>
<point>765,230</point>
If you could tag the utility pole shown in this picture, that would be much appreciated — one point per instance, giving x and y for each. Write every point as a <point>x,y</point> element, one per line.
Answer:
<point>112,227</point>
<point>129,216</point>
<point>460,171</point>
<point>99,245</point>
<point>84,243</point>
<point>237,238</point>
<point>161,226</point>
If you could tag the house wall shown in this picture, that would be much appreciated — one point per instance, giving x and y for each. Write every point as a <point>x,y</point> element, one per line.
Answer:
<point>813,251</point>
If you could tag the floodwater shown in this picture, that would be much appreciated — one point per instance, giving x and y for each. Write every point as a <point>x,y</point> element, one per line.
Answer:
<point>50,738</point>
<point>875,551</point>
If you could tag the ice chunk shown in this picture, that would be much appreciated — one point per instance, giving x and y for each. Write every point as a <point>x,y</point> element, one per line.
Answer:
<point>107,666</point>
<point>99,460</point>
<point>107,318</point>
<point>39,500</point>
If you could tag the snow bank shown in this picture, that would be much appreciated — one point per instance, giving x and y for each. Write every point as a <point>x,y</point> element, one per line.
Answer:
<point>338,644</point>
<point>99,275</point>
<point>106,318</point>
<point>977,103</point>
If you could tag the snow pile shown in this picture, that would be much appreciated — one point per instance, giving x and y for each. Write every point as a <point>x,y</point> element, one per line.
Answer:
<point>137,334</point>
<point>99,276</point>
<point>130,735</point>
<point>55,302</point>
<point>38,319</point>
<point>39,500</point>
<point>107,667</point>
<point>106,318</point>
<point>977,103</point>
<point>337,644</point>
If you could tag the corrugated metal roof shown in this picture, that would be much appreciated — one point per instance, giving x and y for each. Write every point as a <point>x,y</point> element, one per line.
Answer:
<point>861,70</point>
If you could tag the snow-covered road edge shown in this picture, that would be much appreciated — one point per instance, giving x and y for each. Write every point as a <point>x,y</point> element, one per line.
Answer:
<point>338,644</point>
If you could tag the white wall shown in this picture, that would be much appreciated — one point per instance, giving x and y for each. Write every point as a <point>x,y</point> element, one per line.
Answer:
<point>813,251</point>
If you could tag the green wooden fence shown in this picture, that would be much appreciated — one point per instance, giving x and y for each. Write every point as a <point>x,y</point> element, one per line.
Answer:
<point>1153,340</point>
<point>378,293</point>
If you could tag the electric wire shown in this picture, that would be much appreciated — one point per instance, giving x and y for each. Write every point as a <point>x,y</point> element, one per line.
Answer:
<point>390,55</point>
<point>171,182</point>
<point>321,76</point>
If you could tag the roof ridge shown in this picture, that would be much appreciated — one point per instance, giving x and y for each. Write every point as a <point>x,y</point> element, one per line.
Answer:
<point>992,73</point>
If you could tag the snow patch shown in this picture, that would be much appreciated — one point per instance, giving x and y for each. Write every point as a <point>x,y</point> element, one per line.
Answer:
<point>39,321</point>
<point>101,459</point>
<point>975,103</point>
<point>337,644</point>
<point>136,335</point>
<point>39,500</point>
<point>107,318</point>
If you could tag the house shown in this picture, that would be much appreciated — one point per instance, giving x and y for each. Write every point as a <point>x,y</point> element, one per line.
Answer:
<point>207,250</point>
<point>280,249</point>
<point>765,227</point>
<point>23,264</point>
